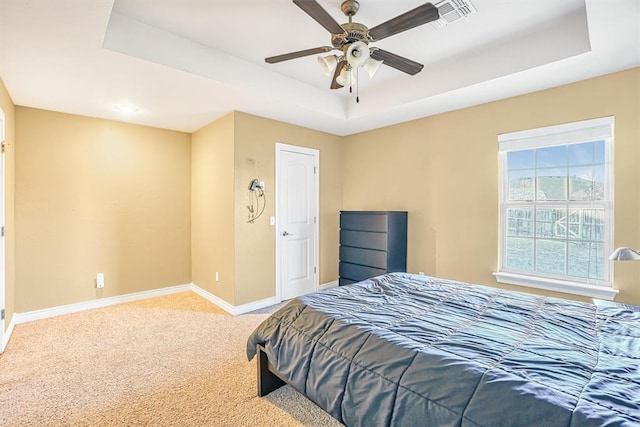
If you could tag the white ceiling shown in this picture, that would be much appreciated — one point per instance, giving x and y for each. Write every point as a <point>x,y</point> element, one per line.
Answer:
<point>184,63</point>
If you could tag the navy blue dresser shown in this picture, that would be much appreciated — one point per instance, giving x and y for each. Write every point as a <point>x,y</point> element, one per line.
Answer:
<point>371,243</point>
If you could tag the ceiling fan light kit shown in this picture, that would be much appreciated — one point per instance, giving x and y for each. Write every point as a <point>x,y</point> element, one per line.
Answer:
<point>357,54</point>
<point>328,64</point>
<point>346,77</point>
<point>352,40</point>
<point>372,66</point>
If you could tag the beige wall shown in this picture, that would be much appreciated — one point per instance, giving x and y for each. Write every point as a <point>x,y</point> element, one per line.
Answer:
<point>212,208</point>
<point>93,196</point>
<point>444,171</point>
<point>98,196</point>
<point>255,140</point>
<point>226,155</point>
<point>9,187</point>
<point>153,208</point>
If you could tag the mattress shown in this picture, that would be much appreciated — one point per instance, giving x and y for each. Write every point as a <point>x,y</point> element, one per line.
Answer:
<point>408,350</point>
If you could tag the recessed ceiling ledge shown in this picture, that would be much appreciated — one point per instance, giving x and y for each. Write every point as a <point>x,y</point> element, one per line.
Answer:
<point>137,39</point>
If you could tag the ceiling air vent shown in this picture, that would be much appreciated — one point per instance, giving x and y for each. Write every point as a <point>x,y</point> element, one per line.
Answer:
<point>452,11</point>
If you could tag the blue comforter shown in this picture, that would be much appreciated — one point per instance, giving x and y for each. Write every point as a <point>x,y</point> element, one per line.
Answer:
<point>406,350</point>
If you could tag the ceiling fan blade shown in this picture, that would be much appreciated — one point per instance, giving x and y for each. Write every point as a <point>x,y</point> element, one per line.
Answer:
<point>314,10</point>
<point>413,18</point>
<point>396,61</point>
<point>339,67</point>
<point>298,54</point>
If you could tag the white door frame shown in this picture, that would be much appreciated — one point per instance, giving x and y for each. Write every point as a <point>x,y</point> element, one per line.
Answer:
<point>316,162</point>
<point>2,238</point>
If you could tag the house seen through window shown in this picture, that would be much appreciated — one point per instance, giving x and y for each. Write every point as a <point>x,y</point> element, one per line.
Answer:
<point>556,208</point>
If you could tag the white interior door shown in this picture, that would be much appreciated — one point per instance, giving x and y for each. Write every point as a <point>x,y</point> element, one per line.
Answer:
<point>296,220</point>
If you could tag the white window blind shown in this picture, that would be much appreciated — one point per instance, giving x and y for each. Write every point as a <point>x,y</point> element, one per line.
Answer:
<point>550,136</point>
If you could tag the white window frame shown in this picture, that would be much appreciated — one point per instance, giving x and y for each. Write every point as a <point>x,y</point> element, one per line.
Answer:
<point>564,134</point>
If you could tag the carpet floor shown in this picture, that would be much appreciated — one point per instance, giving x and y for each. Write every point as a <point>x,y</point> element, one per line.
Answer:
<point>175,360</point>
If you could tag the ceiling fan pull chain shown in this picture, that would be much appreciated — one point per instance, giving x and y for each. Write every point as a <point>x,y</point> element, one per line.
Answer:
<point>357,92</point>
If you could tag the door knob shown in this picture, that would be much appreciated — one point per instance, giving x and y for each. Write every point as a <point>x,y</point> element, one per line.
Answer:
<point>284,233</point>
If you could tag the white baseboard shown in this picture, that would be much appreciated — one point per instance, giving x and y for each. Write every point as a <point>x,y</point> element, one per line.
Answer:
<point>246,308</point>
<point>213,299</point>
<point>7,334</point>
<point>256,305</point>
<point>30,316</point>
<point>234,310</point>
<point>328,285</point>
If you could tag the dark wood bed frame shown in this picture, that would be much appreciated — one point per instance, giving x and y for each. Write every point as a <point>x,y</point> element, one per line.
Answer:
<point>268,377</point>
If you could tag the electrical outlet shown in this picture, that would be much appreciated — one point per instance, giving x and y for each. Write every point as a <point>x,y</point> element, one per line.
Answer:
<point>217,277</point>
<point>100,280</point>
<point>421,273</point>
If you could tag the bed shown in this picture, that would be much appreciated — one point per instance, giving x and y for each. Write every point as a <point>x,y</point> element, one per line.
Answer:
<point>408,350</point>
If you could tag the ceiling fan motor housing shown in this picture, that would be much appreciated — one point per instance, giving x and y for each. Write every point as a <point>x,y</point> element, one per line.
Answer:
<point>350,7</point>
<point>353,32</point>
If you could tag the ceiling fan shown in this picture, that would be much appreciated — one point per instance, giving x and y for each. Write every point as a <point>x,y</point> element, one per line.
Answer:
<point>352,40</point>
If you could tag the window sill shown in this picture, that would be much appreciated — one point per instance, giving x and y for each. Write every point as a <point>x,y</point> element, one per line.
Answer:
<point>601,292</point>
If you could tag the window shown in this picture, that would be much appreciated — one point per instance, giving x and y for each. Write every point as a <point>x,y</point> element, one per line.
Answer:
<point>556,208</point>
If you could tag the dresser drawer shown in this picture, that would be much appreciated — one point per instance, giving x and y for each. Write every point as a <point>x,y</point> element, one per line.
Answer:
<point>362,256</point>
<point>364,239</point>
<point>372,243</point>
<point>364,222</point>
<point>358,272</point>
